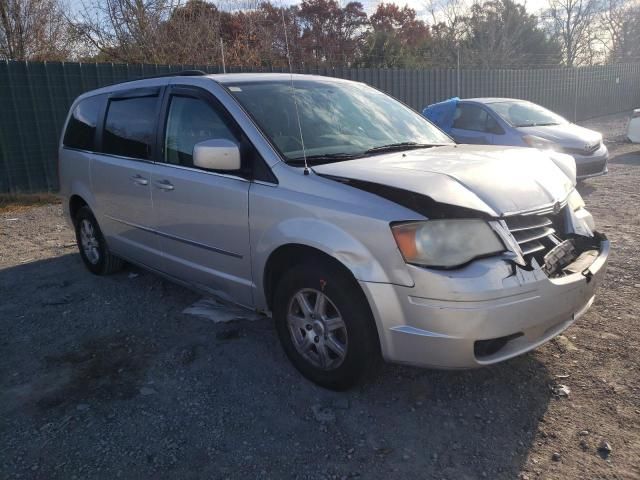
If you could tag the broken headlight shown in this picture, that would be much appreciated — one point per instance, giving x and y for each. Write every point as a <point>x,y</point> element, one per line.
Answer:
<point>446,243</point>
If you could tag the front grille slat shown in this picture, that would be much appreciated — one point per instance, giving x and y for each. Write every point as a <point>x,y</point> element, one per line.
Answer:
<point>535,234</point>
<point>525,236</point>
<point>517,226</point>
<point>532,248</point>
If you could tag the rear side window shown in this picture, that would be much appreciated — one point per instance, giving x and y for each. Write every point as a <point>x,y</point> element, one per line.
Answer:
<point>81,129</point>
<point>130,126</point>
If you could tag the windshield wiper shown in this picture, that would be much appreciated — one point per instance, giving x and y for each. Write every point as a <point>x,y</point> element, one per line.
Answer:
<point>392,147</point>
<point>322,158</point>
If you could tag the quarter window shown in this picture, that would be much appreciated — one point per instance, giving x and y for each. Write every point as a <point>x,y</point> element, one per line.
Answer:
<point>81,129</point>
<point>129,128</point>
<point>191,121</point>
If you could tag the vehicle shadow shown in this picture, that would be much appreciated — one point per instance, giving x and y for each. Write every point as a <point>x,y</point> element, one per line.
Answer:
<point>108,371</point>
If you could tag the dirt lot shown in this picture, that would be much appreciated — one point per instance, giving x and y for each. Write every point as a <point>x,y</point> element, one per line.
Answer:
<point>107,378</point>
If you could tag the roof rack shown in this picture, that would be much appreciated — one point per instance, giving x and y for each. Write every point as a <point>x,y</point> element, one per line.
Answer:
<point>183,73</point>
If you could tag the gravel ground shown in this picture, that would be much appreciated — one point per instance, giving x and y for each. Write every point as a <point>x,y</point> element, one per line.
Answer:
<point>105,377</point>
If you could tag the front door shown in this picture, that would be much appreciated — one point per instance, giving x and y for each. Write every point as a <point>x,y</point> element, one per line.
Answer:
<point>473,124</point>
<point>202,217</point>
<point>121,175</point>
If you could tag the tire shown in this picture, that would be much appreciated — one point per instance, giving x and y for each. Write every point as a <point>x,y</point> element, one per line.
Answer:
<point>312,344</point>
<point>93,248</point>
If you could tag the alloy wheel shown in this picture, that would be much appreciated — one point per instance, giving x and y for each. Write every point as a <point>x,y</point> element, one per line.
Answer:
<point>89,241</point>
<point>317,329</point>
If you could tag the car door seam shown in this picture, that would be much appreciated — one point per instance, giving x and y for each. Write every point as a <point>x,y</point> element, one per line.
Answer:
<point>177,238</point>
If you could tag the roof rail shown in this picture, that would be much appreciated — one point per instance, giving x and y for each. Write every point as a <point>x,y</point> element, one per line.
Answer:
<point>183,73</point>
<point>189,73</point>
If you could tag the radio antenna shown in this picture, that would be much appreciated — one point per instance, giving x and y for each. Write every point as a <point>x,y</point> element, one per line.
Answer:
<point>293,91</point>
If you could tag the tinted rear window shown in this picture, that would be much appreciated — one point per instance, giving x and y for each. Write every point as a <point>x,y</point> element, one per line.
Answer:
<point>130,126</point>
<point>81,129</point>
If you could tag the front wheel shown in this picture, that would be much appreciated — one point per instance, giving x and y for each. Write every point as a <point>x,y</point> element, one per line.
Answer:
<point>325,325</point>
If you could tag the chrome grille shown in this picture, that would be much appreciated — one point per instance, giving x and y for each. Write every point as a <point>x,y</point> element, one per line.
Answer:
<point>586,150</point>
<point>534,233</point>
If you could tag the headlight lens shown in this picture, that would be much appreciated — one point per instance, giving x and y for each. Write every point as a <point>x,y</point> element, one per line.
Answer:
<point>540,143</point>
<point>446,243</point>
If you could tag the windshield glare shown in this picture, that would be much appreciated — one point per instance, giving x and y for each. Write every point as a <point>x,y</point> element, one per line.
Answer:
<point>335,117</point>
<point>526,114</point>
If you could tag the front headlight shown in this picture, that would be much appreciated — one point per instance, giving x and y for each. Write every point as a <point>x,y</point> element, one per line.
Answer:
<point>540,143</point>
<point>445,243</point>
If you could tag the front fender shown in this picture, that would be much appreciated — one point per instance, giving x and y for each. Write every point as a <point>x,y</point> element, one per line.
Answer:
<point>329,239</point>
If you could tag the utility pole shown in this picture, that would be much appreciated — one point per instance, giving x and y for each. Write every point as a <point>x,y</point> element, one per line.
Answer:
<point>575,98</point>
<point>224,68</point>
<point>458,72</point>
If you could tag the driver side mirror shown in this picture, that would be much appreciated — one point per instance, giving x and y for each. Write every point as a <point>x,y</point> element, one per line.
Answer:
<point>216,154</point>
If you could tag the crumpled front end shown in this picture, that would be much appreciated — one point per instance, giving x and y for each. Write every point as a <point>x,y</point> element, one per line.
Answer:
<point>498,307</point>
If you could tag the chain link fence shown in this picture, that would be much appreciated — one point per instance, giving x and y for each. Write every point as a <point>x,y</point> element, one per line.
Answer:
<point>35,98</point>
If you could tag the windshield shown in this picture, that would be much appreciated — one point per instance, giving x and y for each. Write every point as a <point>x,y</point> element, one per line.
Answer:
<point>338,120</point>
<point>526,114</point>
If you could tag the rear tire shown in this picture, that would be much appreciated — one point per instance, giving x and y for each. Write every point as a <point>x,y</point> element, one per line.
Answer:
<point>325,325</point>
<point>93,248</point>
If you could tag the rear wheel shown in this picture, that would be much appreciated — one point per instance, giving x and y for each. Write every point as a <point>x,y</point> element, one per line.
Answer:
<point>93,248</point>
<point>325,325</point>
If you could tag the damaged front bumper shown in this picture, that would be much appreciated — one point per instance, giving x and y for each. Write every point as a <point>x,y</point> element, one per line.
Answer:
<point>486,312</point>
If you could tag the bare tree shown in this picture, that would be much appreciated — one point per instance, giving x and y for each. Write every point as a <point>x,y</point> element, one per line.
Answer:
<point>502,33</point>
<point>33,30</point>
<point>620,19</point>
<point>125,30</point>
<point>573,24</point>
<point>192,34</point>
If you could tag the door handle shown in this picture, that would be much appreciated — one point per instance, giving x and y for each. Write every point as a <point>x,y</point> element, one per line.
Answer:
<point>139,180</point>
<point>164,185</point>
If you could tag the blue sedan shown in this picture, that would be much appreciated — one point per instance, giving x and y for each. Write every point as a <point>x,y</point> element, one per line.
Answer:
<point>508,121</point>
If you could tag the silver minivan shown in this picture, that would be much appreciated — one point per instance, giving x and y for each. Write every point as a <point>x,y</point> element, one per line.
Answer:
<point>364,230</point>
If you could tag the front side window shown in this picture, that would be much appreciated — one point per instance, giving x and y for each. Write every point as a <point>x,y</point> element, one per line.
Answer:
<point>81,129</point>
<point>129,129</point>
<point>526,114</point>
<point>471,117</point>
<point>190,121</point>
<point>336,119</point>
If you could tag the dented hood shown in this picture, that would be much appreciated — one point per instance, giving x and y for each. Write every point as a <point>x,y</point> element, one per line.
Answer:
<point>494,180</point>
